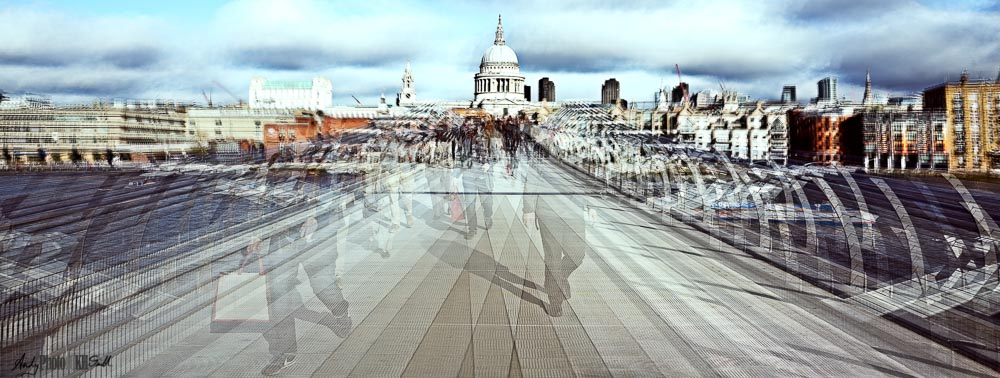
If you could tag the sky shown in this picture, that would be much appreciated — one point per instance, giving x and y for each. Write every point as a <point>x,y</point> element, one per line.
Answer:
<point>77,51</point>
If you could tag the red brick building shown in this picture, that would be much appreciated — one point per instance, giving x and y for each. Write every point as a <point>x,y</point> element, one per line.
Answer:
<point>293,135</point>
<point>826,135</point>
<point>331,125</point>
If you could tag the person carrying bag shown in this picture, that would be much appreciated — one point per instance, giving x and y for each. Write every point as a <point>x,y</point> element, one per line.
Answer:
<point>241,303</point>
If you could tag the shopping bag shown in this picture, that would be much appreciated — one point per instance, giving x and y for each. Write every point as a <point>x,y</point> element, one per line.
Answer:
<point>457,213</point>
<point>241,303</point>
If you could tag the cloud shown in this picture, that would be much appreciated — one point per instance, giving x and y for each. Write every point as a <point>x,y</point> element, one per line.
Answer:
<point>310,58</point>
<point>52,39</point>
<point>73,81</point>
<point>41,59</point>
<point>135,57</point>
<point>362,46</point>
<point>916,51</point>
<point>842,10</point>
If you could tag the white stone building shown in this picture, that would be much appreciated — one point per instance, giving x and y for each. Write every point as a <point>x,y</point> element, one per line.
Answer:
<point>133,131</point>
<point>407,96</point>
<point>744,131</point>
<point>291,94</point>
<point>233,124</point>
<point>499,85</point>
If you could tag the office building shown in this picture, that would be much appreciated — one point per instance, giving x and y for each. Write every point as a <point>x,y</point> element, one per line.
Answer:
<point>904,139</point>
<point>546,90</point>
<point>610,92</point>
<point>788,94</point>
<point>972,122</point>
<point>678,93</point>
<point>827,91</point>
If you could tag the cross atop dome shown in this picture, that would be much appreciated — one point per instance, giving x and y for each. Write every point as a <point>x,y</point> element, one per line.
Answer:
<point>499,40</point>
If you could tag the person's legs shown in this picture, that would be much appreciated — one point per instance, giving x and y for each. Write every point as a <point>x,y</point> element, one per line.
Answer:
<point>394,202</point>
<point>406,194</point>
<point>283,301</point>
<point>435,185</point>
<point>564,249</point>
<point>552,255</point>
<point>486,199</point>
<point>469,202</point>
<point>325,283</point>
<point>471,217</point>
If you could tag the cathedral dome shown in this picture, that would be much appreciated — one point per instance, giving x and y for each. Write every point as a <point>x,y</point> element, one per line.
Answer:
<point>499,83</point>
<point>499,54</point>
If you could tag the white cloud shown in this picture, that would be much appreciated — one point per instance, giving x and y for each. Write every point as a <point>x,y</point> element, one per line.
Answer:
<point>363,46</point>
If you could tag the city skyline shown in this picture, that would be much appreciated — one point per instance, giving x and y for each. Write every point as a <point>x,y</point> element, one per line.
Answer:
<point>117,49</point>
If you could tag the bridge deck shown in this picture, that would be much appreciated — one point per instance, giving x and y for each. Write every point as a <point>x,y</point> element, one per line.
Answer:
<point>601,288</point>
<point>597,286</point>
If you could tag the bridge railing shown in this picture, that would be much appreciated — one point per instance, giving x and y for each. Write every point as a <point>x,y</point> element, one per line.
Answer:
<point>134,305</point>
<point>874,241</point>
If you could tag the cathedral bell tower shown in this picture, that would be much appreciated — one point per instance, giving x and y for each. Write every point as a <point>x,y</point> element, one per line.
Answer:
<point>406,96</point>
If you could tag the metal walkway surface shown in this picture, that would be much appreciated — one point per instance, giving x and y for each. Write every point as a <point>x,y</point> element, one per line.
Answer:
<point>528,271</point>
<point>557,285</point>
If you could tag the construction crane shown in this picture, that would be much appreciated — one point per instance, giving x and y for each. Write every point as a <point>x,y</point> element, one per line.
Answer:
<point>681,82</point>
<point>231,94</point>
<point>208,98</point>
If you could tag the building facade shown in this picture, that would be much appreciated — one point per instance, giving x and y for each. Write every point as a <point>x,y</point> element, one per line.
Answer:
<point>705,98</point>
<point>826,135</point>
<point>904,139</point>
<point>750,131</point>
<point>546,90</point>
<point>610,92</point>
<point>206,125</point>
<point>292,136</point>
<point>788,94</point>
<point>291,94</point>
<point>131,132</point>
<point>499,85</point>
<point>679,92</point>
<point>827,91</point>
<point>972,122</point>
<point>407,94</point>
